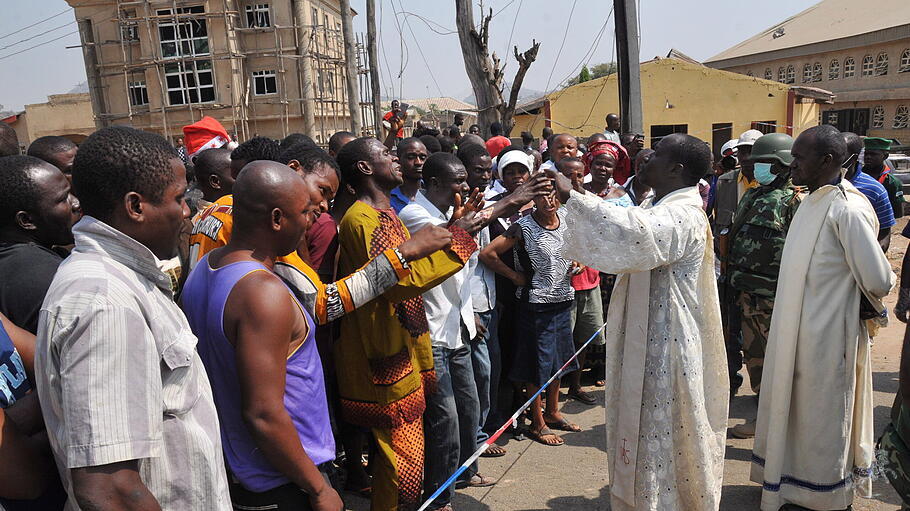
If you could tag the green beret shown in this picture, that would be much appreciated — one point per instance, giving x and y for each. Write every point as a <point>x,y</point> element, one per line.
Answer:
<point>877,144</point>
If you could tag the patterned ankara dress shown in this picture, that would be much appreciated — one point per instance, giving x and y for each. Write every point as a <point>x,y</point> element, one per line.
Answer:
<point>383,358</point>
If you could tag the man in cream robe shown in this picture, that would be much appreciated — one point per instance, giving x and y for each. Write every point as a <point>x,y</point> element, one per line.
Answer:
<point>667,387</point>
<point>814,437</point>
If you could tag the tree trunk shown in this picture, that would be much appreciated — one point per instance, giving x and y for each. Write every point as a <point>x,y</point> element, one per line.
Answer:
<point>373,54</point>
<point>478,65</point>
<point>524,63</point>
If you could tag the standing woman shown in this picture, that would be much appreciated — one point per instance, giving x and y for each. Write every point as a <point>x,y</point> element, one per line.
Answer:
<point>545,301</point>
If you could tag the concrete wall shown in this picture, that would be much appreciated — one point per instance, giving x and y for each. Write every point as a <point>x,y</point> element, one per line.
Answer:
<point>65,115</point>
<point>888,91</point>
<point>674,92</point>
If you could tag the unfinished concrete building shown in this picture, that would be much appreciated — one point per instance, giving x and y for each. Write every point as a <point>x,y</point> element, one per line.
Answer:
<point>261,67</point>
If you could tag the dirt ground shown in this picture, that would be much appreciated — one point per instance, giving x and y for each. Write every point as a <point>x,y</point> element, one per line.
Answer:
<point>534,477</point>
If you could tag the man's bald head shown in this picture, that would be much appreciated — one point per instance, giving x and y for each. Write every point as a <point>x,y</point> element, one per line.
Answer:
<point>854,143</point>
<point>273,206</point>
<point>471,139</point>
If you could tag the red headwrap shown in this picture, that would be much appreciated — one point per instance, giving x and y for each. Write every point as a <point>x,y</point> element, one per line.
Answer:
<point>623,163</point>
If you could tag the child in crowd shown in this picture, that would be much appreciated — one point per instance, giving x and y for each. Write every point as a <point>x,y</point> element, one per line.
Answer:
<point>545,302</point>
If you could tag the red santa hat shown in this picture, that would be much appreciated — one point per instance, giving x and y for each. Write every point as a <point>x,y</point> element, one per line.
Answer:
<point>207,133</point>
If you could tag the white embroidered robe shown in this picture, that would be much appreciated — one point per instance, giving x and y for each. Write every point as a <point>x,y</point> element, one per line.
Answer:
<point>667,387</point>
<point>814,438</point>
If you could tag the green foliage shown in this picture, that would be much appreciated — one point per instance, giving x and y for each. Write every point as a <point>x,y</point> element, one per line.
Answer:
<point>584,75</point>
<point>598,71</point>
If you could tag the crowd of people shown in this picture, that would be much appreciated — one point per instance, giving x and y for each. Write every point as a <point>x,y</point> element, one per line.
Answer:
<point>269,324</point>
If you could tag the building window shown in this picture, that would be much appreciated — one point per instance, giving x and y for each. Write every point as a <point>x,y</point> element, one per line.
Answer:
<point>139,94</point>
<point>314,17</point>
<point>831,118</point>
<point>901,118</point>
<point>129,31</point>
<point>849,67</point>
<point>868,65</point>
<point>878,117</point>
<point>257,16</point>
<point>781,75</point>
<point>881,64</point>
<point>750,73</point>
<point>190,82</point>
<point>769,75</point>
<point>659,131</point>
<point>905,62</point>
<point>264,83</point>
<point>807,73</point>
<point>817,72</point>
<point>765,126</point>
<point>183,36</point>
<point>834,69</point>
<point>791,74</point>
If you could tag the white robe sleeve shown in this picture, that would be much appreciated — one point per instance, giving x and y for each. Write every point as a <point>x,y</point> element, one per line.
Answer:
<point>616,239</point>
<point>858,232</point>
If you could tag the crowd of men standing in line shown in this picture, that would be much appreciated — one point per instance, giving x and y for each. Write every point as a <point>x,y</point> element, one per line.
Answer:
<point>394,301</point>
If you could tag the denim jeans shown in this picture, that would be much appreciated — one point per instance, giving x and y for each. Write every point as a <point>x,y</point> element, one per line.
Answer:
<point>450,421</point>
<point>480,360</point>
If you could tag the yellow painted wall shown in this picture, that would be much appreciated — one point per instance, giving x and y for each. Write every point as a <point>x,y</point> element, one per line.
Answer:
<point>63,115</point>
<point>700,96</point>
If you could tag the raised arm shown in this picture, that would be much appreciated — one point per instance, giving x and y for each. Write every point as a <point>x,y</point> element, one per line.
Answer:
<point>259,321</point>
<point>615,239</point>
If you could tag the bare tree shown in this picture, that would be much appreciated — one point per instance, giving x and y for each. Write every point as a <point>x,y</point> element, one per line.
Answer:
<point>484,69</point>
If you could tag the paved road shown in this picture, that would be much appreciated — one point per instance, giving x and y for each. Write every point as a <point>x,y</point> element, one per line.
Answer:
<point>534,477</point>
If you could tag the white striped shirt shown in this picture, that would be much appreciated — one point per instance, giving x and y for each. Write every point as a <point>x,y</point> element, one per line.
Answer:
<point>118,374</point>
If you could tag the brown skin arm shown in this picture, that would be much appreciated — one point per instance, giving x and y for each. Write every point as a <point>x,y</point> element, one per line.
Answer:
<point>491,254</point>
<point>116,486</point>
<point>24,472</point>
<point>395,124</point>
<point>259,321</point>
<point>24,341</point>
<point>26,412</point>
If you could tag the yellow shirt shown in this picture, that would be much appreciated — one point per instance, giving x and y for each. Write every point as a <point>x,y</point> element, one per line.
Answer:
<point>743,185</point>
<point>383,358</point>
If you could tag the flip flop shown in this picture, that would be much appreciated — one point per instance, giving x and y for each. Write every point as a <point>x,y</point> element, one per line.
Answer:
<point>494,451</point>
<point>538,436</point>
<point>563,425</point>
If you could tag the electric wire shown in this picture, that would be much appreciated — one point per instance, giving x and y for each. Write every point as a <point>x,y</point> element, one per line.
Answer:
<point>20,41</point>
<point>37,45</point>
<point>36,23</point>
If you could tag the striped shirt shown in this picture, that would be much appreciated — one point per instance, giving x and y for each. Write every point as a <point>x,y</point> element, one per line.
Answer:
<point>878,196</point>
<point>118,374</point>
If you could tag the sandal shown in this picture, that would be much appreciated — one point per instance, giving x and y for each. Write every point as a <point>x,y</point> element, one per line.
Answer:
<point>494,451</point>
<point>600,383</point>
<point>546,432</point>
<point>563,425</point>
<point>582,396</point>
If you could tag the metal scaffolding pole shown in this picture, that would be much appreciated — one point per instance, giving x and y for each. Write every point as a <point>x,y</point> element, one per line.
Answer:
<point>374,66</point>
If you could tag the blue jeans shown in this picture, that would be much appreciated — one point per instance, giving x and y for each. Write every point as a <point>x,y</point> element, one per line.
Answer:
<point>450,421</point>
<point>480,360</point>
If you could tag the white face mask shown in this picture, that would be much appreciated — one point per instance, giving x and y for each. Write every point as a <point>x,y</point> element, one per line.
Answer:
<point>763,173</point>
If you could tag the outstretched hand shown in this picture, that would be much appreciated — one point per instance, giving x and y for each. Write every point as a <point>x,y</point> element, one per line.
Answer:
<point>537,185</point>
<point>424,242</point>
<point>561,183</point>
<point>473,204</point>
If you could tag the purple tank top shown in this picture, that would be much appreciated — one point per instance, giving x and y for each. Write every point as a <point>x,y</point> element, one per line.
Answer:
<point>204,297</point>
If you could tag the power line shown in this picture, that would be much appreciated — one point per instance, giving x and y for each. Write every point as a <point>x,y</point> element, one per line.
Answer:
<point>561,45</point>
<point>39,44</point>
<point>420,50</point>
<point>429,23</point>
<point>514,21</point>
<point>36,23</point>
<point>36,35</point>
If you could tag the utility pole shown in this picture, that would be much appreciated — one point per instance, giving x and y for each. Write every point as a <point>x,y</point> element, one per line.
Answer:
<point>350,67</point>
<point>374,67</point>
<point>628,66</point>
<point>305,35</point>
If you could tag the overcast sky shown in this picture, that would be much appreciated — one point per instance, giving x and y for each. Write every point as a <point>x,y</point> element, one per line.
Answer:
<point>700,32</point>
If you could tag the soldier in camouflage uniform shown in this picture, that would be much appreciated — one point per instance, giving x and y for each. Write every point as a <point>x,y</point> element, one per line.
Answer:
<point>756,244</point>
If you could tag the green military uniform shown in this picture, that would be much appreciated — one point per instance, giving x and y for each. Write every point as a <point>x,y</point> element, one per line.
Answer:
<point>895,446</point>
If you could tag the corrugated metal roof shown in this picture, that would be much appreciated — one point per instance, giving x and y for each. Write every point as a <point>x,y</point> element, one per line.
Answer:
<point>825,21</point>
<point>441,103</point>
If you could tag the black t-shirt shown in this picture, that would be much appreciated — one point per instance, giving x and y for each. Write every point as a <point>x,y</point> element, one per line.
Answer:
<point>26,272</point>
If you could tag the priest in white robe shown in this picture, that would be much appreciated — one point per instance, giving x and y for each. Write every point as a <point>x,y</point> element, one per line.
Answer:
<point>667,387</point>
<point>814,443</point>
